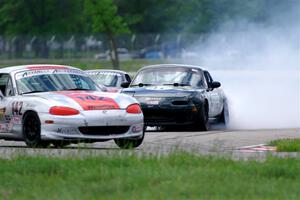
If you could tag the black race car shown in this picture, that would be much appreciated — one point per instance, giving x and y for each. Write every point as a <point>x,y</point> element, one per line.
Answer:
<point>175,94</point>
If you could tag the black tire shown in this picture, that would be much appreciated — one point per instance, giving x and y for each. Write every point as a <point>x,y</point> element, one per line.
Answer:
<point>32,131</point>
<point>224,117</point>
<point>60,144</point>
<point>202,122</point>
<point>130,143</point>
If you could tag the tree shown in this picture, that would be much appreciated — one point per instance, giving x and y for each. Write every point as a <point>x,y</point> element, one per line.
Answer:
<point>40,18</point>
<point>190,16</point>
<point>105,19</point>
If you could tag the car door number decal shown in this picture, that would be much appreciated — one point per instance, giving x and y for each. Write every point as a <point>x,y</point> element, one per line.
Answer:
<point>17,107</point>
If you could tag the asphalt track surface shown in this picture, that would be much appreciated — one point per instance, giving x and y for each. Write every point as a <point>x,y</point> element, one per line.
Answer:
<point>217,142</point>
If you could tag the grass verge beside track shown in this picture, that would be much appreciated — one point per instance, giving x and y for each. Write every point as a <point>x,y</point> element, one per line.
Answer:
<point>286,145</point>
<point>176,176</point>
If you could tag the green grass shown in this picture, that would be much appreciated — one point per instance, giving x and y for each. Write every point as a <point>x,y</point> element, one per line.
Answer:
<point>176,176</point>
<point>287,145</point>
<point>126,65</point>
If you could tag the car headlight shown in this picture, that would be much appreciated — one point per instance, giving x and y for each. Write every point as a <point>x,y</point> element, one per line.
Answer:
<point>62,110</point>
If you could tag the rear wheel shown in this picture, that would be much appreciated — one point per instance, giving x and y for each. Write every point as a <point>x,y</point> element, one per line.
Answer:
<point>32,131</point>
<point>224,117</point>
<point>130,143</point>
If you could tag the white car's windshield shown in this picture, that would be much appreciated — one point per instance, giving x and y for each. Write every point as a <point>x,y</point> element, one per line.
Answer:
<point>108,79</point>
<point>168,76</point>
<point>32,81</point>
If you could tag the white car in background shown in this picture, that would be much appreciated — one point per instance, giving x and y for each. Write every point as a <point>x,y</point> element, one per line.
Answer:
<point>44,104</point>
<point>112,80</point>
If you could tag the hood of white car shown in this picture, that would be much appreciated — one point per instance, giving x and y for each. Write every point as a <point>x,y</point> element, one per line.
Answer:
<point>86,100</point>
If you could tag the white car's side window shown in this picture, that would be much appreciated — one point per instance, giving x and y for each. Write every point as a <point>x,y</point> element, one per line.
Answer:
<point>9,88</point>
<point>6,86</point>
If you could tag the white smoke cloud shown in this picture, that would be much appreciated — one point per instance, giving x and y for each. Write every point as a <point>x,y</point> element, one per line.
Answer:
<point>259,68</point>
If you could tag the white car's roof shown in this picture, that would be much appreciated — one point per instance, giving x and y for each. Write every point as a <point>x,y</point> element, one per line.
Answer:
<point>106,70</point>
<point>27,67</point>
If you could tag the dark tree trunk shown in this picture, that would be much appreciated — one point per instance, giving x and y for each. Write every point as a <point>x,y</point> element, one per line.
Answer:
<point>61,49</point>
<point>44,48</point>
<point>113,53</point>
<point>19,47</point>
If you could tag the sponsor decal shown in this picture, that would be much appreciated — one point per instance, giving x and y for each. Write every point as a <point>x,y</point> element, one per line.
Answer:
<point>69,130</point>
<point>149,100</point>
<point>104,73</point>
<point>7,124</point>
<point>137,128</point>
<point>45,70</point>
<point>152,100</point>
<point>89,101</point>
<point>17,120</point>
<point>3,128</point>
<point>2,113</point>
<point>7,121</point>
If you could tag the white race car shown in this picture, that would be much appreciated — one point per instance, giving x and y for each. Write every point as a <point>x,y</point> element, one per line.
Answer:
<point>113,80</point>
<point>44,104</point>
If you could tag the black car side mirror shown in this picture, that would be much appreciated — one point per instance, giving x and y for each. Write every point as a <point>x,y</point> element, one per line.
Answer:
<point>215,84</point>
<point>125,84</point>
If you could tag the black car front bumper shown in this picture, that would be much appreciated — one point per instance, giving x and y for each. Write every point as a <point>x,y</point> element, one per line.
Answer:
<point>157,116</point>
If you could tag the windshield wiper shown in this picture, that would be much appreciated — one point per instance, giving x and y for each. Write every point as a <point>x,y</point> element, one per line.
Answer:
<point>142,84</point>
<point>35,91</point>
<point>177,84</point>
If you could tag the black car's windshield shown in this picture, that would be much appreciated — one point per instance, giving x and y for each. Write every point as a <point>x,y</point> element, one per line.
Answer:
<point>108,79</point>
<point>36,82</point>
<point>177,76</point>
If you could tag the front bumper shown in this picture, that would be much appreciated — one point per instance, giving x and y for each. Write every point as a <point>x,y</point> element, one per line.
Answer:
<point>156,116</point>
<point>92,126</point>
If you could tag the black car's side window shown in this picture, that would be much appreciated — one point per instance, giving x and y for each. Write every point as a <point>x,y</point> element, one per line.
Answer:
<point>127,77</point>
<point>208,78</point>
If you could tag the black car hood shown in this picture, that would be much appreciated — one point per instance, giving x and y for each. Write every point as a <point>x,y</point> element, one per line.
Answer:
<point>159,91</point>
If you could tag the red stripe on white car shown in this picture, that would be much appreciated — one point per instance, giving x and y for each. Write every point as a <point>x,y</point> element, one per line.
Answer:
<point>90,101</point>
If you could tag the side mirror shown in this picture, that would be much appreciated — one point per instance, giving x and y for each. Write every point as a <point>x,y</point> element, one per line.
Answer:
<point>1,95</point>
<point>125,84</point>
<point>215,84</point>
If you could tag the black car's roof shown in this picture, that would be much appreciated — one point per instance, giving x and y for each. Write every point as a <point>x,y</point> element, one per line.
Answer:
<point>172,65</point>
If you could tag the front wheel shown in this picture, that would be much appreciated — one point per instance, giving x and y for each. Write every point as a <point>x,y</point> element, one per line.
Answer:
<point>130,143</point>
<point>202,122</point>
<point>32,131</point>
